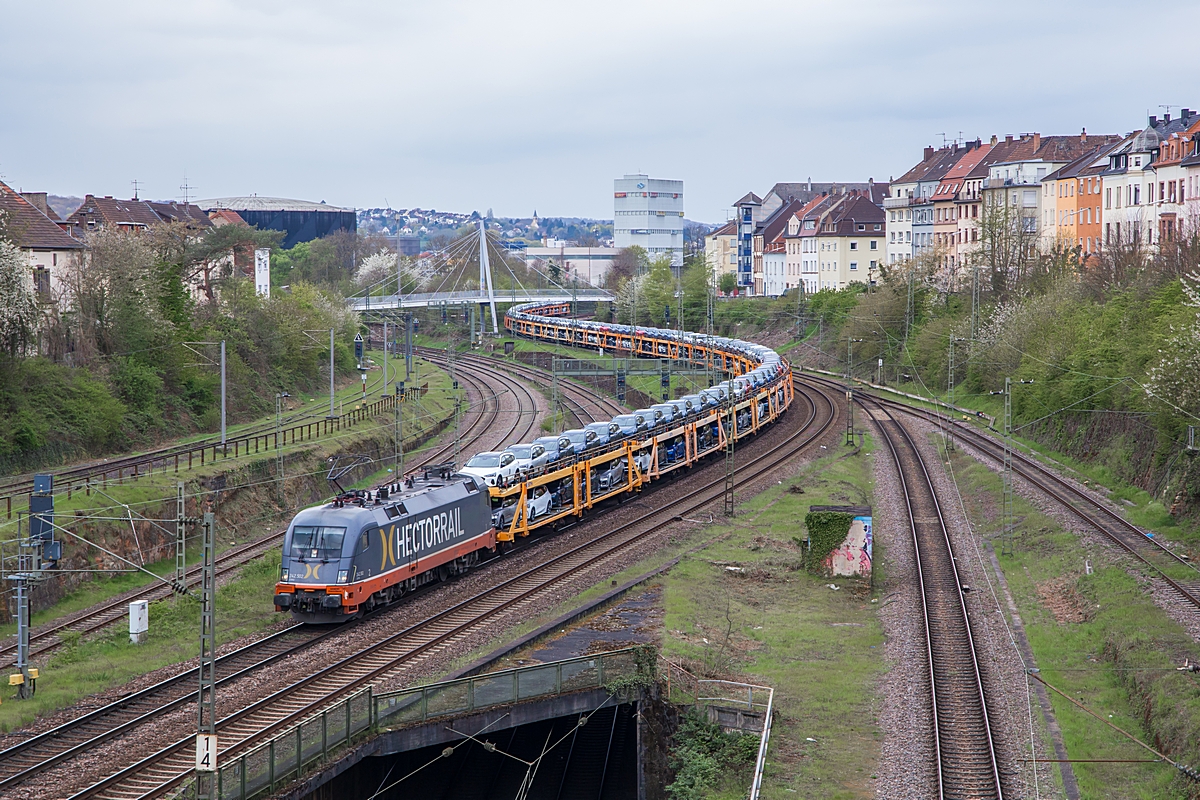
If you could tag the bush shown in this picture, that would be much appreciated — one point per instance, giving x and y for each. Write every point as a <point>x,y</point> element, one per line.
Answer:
<point>704,757</point>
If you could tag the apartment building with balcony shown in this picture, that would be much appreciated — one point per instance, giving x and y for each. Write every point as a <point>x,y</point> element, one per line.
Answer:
<point>747,213</point>
<point>947,210</point>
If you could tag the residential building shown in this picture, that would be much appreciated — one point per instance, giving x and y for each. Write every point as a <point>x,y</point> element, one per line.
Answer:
<point>753,212</point>
<point>805,192</point>
<point>922,199</point>
<point>132,215</point>
<point>1175,218</point>
<point>648,213</point>
<point>1071,209</point>
<point>850,244</point>
<point>46,246</point>
<point>950,204</point>
<point>748,212</point>
<point>107,212</point>
<point>1191,179</point>
<point>771,251</point>
<point>802,260</point>
<point>586,265</point>
<point>1015,180</point>
<point>720,250</point>
<point>899,207</point>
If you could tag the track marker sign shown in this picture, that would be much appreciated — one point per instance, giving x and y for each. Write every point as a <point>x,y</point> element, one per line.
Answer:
<point>206,752</point>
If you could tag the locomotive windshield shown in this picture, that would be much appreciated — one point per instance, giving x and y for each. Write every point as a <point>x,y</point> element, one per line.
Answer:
<point>485,460</point>
<point>317,541</point>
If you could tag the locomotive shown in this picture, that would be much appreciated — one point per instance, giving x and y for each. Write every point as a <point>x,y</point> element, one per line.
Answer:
<point>368,548</point>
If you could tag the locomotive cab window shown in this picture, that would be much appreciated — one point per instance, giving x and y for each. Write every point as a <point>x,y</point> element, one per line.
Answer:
<point>317,541</point>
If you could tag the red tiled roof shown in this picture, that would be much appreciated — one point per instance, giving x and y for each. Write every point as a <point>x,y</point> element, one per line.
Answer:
<point>29,228</point>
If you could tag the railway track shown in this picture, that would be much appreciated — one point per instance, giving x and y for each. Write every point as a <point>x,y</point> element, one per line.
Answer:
<point>493,389</point>
<point>1177,572</point>
<point>21,763</point>
<point>965,753</point>
<point>399,655</point>
<point>585,403</point>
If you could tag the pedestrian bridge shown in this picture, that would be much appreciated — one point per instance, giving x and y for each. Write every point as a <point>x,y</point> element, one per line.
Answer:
<point>438,299</point>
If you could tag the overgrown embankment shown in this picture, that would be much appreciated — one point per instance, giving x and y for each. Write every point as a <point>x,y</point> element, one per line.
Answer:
<point>246,495</point>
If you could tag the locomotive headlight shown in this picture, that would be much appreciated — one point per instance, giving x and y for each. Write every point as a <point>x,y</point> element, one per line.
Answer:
<point>283,575</point>
<point>343,575</point>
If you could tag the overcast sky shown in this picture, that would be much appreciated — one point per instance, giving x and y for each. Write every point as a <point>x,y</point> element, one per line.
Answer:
<point>466,105</point>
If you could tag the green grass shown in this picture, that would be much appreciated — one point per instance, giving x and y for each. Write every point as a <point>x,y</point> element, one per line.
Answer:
<point>777,625</point>
<point>1114,615</point>
<point>85,667</point>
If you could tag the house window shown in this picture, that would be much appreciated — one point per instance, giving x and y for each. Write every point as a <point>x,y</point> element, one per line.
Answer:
<point>874,244</point>
<point>854,245</point>
<point>878,227</point>
<point>853,265</point>
<point>862,227</point>
<point>41,283</point>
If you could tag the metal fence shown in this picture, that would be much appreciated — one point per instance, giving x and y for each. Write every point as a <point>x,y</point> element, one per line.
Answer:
<point>728,694</point>
<point>284,757</point>
<point>411,706</point>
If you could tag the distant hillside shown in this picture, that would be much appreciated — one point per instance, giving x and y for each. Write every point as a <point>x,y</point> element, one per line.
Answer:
<point>63,206</point>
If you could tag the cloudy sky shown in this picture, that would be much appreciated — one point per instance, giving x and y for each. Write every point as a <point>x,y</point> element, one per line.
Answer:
<point>467,105</point>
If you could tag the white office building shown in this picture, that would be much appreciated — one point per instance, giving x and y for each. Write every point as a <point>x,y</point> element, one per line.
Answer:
<point>648,212</point>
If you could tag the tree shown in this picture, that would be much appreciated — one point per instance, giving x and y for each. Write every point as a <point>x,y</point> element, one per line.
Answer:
<point>1007,247</point>
<point>627,263</point>
<point>18,301</point>
<point>696,284</point>
<point>727,283</point>
<point>377,273</point>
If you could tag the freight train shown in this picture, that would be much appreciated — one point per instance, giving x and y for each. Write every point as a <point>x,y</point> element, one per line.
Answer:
<point>368,548</point>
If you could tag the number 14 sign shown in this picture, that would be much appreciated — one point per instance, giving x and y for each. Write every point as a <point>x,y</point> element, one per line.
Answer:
<point>206,752</point>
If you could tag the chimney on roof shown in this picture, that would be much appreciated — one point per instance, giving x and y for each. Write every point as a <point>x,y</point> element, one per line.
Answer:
<point>1184,113</point>
<point>1166,117</point>
<point>928,153</point>
<point>108,197</point>
<point>1008,137</point>
<point>1083,136</point>
<point>810,183</point>
<point>1037,141</point>
<point>1154,122</point>
<point>994,140</point>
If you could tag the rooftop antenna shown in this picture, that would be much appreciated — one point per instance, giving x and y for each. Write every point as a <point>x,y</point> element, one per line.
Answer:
<point>135,188</point>
<point>185,189</point>
<point>943,135</point>
<point>1167,107</point>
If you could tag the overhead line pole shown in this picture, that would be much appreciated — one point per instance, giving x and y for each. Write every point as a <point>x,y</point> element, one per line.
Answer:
<point>222,395</point>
